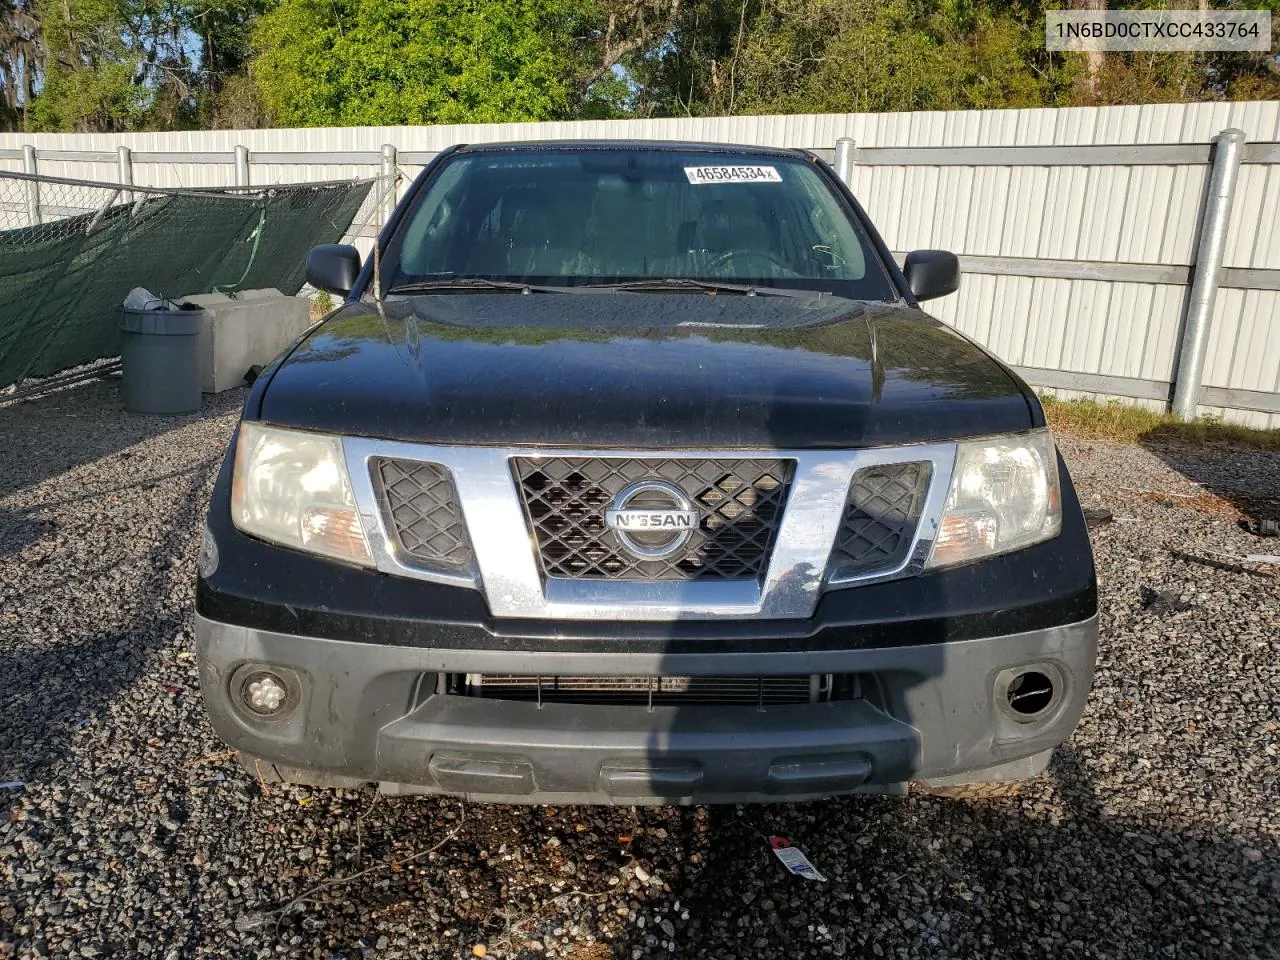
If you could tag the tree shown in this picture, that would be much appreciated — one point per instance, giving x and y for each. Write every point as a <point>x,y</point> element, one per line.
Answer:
<point>225,31</point>
<point>689,72</point>
<point>89,81</point>
<point>113,65</point>
<point>110,65</point>
<point>619,31</point>
<point>805,56</point>
<point>452,61</point>
<point>341,62</point>
<point>1094,59</point>
<point>140,64</point>
<point>21,56</point>
<point>1175,77</point>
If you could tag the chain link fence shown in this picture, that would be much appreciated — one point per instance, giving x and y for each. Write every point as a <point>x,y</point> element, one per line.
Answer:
<point>71,250</point>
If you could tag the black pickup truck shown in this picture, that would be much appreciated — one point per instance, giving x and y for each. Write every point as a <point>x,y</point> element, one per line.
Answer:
<point>634,473</point>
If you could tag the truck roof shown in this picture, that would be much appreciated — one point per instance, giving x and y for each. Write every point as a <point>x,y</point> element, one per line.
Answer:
<point>596,144</point>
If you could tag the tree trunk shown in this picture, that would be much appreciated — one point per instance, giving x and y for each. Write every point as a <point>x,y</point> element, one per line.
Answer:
<point>1093,58</point>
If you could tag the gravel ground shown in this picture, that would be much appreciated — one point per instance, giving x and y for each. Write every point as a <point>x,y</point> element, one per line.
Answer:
<point>1155,832</point>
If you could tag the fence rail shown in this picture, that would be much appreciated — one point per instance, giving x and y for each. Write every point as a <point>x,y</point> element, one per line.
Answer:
<point>1137,155</point>
<point>1104,261</point>
<point>1147,154</point>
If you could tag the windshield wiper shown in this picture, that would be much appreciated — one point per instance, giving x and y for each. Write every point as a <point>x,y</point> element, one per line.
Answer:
<point>474,283</point>
<point>653,285</point>
<point>709,286</point>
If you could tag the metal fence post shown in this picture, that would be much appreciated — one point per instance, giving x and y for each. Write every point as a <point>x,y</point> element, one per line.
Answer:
<point>388,182</point>
<point>1210,247</point>
<point>242,166</point>
<point>845,152</point>
<point>124,166</point>
<point>30,166</point>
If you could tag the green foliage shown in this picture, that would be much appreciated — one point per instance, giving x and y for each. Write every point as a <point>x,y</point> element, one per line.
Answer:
<point>104,98</point>
<point>611,97</point>
<point>164,64</point>
<point>321,305</point>
<point>1129,423</point>
<point>339,62</point>
<point>89,72</point>
<point>112,65</point>
<point>807,56</point>
<point>136,64</point>
<point>226,95</point>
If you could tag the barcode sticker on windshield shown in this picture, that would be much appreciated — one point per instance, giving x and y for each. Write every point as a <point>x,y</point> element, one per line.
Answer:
<point>698,175</point>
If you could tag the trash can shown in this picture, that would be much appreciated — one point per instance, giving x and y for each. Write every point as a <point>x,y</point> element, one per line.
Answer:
<point>160,357</point>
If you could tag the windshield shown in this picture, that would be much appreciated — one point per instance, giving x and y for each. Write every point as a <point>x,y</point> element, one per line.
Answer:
<point>596,216</point>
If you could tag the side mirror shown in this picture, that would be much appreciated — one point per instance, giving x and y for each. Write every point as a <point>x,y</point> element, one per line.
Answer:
<point>333,267</point>
<point>932,273</point>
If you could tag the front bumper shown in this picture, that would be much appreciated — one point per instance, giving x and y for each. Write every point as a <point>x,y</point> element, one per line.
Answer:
<point>369,712</point>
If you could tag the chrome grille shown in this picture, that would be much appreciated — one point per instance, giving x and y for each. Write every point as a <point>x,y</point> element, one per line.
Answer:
<point>652,690</point>
<point>880,518</point>
<point>420,508</point>
<point>739,501</point>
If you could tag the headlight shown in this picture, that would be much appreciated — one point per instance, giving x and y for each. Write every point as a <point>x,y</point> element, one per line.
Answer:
<point>1004,495</point>
<point>292,488</point>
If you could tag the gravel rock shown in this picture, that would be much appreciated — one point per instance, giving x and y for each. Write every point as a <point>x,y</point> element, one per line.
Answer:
<point>1154,833</point>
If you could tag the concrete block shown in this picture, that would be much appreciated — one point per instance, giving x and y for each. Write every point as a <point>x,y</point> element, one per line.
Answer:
<point>253,326</point>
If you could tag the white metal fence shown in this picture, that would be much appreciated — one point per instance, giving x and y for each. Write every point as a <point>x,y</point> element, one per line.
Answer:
<point>1080,230</point>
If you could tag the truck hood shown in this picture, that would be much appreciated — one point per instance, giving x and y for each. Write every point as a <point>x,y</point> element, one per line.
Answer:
<point>642,370</point>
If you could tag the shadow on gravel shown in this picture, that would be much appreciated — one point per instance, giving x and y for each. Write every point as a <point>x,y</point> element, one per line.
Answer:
<point>940,877</point>
<point>50,435</point>
<point>46,701</point>
<point>1051,874</point>
<point>1240,479</point>
<point>49,690</point>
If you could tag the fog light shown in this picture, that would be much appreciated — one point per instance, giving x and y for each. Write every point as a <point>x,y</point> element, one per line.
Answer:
<point>1030,693</point>
<point>264,693</point>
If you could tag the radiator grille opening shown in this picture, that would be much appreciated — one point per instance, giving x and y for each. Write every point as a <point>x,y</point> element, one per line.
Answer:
<point>658,690</point>
<point>739,504</point>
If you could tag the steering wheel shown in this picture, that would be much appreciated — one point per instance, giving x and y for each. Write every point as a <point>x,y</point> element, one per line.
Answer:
<point>758,256</point>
